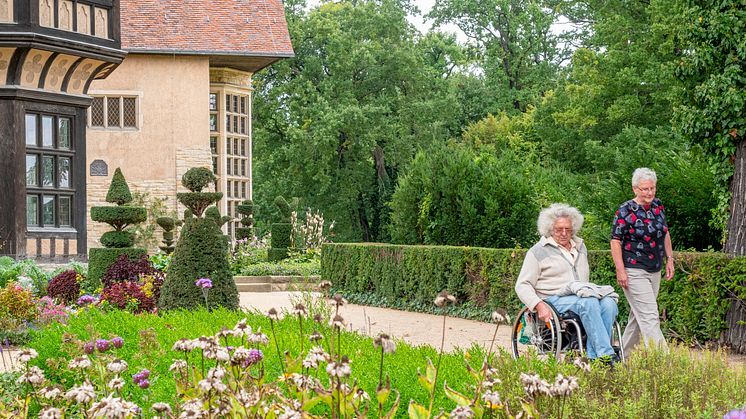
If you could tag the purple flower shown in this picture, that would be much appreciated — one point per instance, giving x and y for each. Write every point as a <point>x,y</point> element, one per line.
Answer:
<point>204,283</point>
<point>88,348</point>
<point>141,376</point>
<point>736,414</point>
<point>254,356</point>
<point>143,384</point>
<point>117,342</point>
<point>84,300</point>
<point>103,345</point>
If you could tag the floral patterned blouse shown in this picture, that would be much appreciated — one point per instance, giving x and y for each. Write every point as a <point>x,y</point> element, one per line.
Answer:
<point>642,231</point>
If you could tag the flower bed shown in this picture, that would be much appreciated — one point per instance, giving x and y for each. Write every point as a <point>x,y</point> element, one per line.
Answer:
<point>304,361</point>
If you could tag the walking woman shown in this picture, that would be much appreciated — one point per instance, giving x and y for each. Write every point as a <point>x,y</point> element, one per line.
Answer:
<point>639,241</point>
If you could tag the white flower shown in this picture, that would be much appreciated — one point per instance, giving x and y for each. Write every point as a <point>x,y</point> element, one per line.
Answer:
<point>50,413</point>
<point>242,329</point>
<point>117,366</point>
<point>81,362</point>
<point>161,407</point>
<point>216,373</point>
<point>83,393</point>
<point>51,392</point>
<point>360,394</point>
<point>315,355</point>
<point>209,384</point>
<point>303,382</point>
<point>341,369</point>
<point>564,386</point>
<point>383,340</point>
<point>116,383</point>
<point>178,365</point>
<point>113,407</point>
<point>27,355</point>
<point>183,344</point>
<point>490,383</point>
<point>34,376</point>
<point>533,385</point>
<point>259,338</point>
<point>462,412</point>
<point>491,397</point>
<point>582,364</point>
<point>338,321</point>
<point>192,409</point>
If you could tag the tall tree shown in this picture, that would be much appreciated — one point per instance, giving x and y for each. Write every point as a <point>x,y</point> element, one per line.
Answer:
<point>336,124</point>
<point>710,39</point>
<point>521,54</point>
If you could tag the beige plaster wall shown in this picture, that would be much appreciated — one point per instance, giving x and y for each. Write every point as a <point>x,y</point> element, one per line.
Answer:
<point>173,133</point>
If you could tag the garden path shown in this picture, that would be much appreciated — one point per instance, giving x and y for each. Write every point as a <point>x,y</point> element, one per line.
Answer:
<point>413,328</point>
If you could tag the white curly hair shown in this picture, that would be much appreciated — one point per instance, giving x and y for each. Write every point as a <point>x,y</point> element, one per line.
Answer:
<point>643,173</point>
<point>548,216</point>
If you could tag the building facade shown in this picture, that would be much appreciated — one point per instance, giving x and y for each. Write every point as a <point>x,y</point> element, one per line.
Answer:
<point>180,99</point>
<point>50,53</point>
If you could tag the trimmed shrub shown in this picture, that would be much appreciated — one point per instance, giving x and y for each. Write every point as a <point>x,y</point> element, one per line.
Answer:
<point>197,178</point>
<point>116,242</point>
<point>281,232</point>
<point>65,287</point>
<point>199,201</point>
<point>117,239</point>
<point>201,252</point>
<point>119,192</point>
<point>693,305</point>
<point>119,217</point>
<point>246,209</point>
<point>168,224</point>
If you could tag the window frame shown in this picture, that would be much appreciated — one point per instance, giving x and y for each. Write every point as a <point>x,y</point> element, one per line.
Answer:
<point>38,190</point>
<point>120,98</point>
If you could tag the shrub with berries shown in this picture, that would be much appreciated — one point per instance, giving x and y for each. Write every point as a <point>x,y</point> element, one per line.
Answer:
<point>65,287</point>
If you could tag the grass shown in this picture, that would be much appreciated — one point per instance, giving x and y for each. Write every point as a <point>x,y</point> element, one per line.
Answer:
<point>653,384</point>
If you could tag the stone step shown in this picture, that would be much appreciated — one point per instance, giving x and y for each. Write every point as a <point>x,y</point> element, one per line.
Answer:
<point>254,287</point>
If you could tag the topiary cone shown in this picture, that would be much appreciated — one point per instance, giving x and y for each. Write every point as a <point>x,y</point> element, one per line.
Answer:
<point>119,192</point>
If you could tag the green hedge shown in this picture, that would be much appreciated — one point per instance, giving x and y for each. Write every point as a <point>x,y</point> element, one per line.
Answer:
<point>693,305</point>
<point>118,217</point>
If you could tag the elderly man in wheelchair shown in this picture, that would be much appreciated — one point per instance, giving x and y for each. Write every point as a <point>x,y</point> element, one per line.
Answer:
<point>564,311</point>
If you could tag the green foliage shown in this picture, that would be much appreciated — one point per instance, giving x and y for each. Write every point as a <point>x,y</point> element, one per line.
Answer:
<point>145,233</point>
<point>26,273</point>
<point>117,239</point>
<point>286,267</point>
<point>119,217</point>
<point>454,196</point>
<point>99,260</point>
<point>711,55</point>
<point>197,202</point>
<point>201,252</point>
<point>197,178</point>
<point>284,207</point>
<point>695,302</point>
<point>166,223</point>
<point>344,117</point>
<point>119,192</point>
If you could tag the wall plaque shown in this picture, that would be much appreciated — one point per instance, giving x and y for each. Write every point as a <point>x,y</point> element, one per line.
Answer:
<point>99,168</point>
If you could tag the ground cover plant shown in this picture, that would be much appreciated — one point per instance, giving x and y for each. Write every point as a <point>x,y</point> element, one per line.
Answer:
<point>303,360</point>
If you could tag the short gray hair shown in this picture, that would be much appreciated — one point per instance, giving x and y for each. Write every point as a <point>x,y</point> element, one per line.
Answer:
<point>548,216</point>
<point>643,173</point>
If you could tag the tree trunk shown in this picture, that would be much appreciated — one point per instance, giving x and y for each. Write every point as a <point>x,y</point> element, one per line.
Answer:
<point>735,244</point>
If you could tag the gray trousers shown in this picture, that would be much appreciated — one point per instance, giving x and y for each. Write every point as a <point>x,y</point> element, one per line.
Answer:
<point>644,321</point>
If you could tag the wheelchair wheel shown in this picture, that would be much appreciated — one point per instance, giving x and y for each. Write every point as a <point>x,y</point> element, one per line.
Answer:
<point>616,340</point>
<point>531,335</point>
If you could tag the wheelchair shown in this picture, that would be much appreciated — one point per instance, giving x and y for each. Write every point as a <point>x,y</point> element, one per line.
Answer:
<point>562,335</point>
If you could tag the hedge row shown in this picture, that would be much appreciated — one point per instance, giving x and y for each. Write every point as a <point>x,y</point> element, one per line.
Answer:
<point>693,305</point>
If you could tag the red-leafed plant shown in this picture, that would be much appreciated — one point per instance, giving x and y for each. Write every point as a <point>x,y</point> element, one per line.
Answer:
<point>128,295</point>
<point>124,269</point>
<point>65,286</point>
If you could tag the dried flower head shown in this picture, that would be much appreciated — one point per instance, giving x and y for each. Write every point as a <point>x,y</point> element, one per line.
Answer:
<point>51,392</point>
<point>444,298</point>
<point>500,316</point>
<point>533,385</point>
<point>242,328</point>
<point>325,285</point>
<point>34,376</point>
<point>79,363</point>
<point>27,355</point>
<point>117,366</point>
<point>272,314</point>
<point>83,393</point>
<point>563,386</point>
<point>183,344</point>
<point>315,336</point>
<point>116,383</point>
<point>338,321</point>
<point>50,413</point>
<point>492,398</point>
<point>338,300</point>
<point>300,309</point>
<point>318,318</point>
<point>462,412</point>
<point>583,364</point>
<point>384,341</point>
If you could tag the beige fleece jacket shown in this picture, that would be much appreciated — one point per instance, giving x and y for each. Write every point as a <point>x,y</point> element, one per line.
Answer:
<point>546,270</point>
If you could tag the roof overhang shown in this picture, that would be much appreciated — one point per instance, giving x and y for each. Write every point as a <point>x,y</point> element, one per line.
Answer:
<point>249,62</point>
